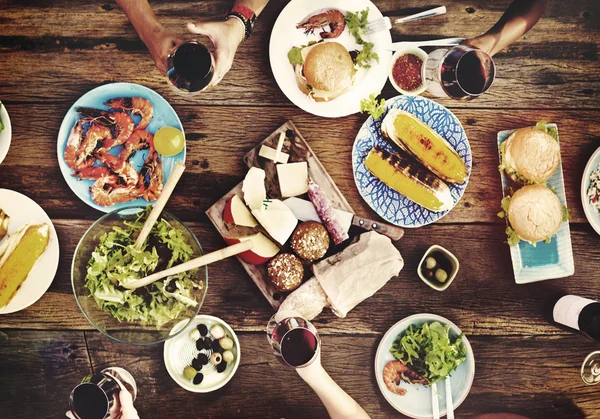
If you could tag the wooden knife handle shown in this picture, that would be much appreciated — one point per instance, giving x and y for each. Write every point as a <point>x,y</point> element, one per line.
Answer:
<point>391,231</point>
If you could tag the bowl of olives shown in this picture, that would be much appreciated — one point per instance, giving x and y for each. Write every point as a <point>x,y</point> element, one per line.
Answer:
<point>438,268</point>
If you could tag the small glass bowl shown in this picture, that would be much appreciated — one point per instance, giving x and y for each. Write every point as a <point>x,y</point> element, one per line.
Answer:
<point>409,49</point>
<point>132,333</point>
<point>433,283</point>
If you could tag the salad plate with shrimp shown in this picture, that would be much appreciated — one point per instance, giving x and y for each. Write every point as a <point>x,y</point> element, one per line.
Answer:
<point>118,144</point>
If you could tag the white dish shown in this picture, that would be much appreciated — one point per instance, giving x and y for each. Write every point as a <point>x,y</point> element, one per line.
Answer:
<point>408,49</point>
<point>6,134</point>
<point>181,350</point>
<point>416,403</point>
<point>285,36</point>
<point>22,210</point>
<point>591,213</point>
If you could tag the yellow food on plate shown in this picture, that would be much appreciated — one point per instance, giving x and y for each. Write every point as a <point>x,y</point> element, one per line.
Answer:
<point>20,252</point>
<point>169,141</point>
<point>416,137</point>
<point>404,174</point>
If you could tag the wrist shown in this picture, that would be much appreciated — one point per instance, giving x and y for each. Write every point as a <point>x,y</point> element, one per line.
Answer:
<point>237,28</point>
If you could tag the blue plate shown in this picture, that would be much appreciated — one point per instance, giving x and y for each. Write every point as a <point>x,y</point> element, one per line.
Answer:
<point>389,204</point>
<point>544,260</point>
<point>164,115</point>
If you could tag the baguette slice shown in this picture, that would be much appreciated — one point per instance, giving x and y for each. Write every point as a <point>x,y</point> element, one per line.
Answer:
<point>416,137</point>
<point>404,174</point>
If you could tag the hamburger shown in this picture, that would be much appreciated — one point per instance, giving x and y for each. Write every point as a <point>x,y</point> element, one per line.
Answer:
<point>323,70</point>
<point>534,214</point>
<point>530,155</point>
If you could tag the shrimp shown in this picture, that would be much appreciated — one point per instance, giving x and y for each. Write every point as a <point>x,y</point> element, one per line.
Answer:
<point>105,193</point>
<point>139,140</point>
<point>73,143</point>
<point>121,122</point>
<point>151,175</point>
<point>334,18</point>
<point>136,105</point>
<point>121,168</point>
<point>394,371</point>
<point>92,173</point>
<point>96,134</point>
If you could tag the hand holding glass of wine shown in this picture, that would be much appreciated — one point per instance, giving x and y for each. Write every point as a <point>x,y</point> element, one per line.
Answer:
<point>461,73</point>
<point>190,67</point>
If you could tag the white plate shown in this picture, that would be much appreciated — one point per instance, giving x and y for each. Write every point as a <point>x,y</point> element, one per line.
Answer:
<point>591,213</point>
<point>285,36</point>
<point>22,210</point>
<point>6,134</point>
<point>416,403</point>
<point>181,350</point>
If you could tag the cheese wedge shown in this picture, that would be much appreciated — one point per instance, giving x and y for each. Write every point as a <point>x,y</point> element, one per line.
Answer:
<point>293,178</point>
<point>277,219</point>
<point>22,251</point>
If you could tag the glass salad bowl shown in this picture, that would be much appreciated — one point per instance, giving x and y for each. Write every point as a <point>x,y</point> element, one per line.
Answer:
<point>105,260</point>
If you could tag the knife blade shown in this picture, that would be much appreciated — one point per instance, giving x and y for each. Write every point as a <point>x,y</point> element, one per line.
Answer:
<point>305,211</point>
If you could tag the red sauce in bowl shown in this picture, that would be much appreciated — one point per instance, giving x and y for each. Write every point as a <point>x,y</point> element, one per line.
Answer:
<point>407,72</point>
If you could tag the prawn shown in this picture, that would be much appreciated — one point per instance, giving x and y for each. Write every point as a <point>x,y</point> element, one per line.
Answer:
<point>121,168</point>
<point>105,193</point>
<point>394,371</point>
<point>73,143</point>
<point>92,173</point>
<point>139,140</point>
<point>136,105</point>
<point>96,134</point>
<point>121,123</point>
<point>153,171</point>
<point>334,18</point>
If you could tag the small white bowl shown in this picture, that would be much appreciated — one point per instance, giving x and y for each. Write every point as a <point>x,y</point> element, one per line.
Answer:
<point>433,283</point>
<point>6,134</point>
<point>181,350</point>
<point>408,49</point>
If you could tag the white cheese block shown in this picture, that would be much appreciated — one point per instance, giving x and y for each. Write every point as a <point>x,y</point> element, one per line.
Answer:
<point>253,188</point>
<point>293,178</point>
<point>277,219</point>
<point>269,153</point>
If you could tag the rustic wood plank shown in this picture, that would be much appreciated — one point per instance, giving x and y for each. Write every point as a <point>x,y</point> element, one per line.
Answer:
<point>560,70</point>
<point>536,382</point>
<point>215,152</point>
<point>39,370</point>
<point>504,308</point>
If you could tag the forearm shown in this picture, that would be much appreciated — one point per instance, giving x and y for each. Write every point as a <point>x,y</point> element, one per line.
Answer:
<point>256,6</point>
<point>142,18</point>
<point>518,19</point>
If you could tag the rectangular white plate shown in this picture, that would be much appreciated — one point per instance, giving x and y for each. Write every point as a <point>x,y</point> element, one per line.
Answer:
<point>545,260</point>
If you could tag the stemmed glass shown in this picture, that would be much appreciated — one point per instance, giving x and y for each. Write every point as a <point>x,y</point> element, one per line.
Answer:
<point>590,369</point>
<point>294,339</point>
<point>462,72</point>
<point>190,67</point>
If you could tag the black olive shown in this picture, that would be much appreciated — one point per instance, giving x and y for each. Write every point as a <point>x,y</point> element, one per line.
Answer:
<point>197,363</point>
<point>216,347</point>
<point>200,344</point>
<point>207,343</point>
<point>202,359</point>
<point>222,366</point>
<point>198,378</point>
<point>202,329</point>
<point>289,134</point>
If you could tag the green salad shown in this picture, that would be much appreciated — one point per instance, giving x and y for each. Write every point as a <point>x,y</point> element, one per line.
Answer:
<point>429,350</point>
<point>115,262</point>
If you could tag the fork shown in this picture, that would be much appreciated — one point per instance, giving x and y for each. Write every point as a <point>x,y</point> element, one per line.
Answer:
<point>435,407</point>
<point>449,402</point>
<point>386,23</point>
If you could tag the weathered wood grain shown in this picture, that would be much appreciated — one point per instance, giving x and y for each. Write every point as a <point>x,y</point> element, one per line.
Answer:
<point>483,300</point>
<point>93,43</point>
<point>218,137</point>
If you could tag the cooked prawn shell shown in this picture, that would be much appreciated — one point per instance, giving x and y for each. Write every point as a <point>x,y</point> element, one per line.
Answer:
<point>334,18</point>
<point>395,371</point>
<point>135,105</point>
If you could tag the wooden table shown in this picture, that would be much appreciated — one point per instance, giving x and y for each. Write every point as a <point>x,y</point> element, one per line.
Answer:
<point>53,52</point>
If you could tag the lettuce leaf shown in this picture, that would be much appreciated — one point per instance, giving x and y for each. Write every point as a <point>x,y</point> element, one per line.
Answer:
<point>372,106</point>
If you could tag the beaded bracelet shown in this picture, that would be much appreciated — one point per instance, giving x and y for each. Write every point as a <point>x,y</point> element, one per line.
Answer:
<point>244,15</point>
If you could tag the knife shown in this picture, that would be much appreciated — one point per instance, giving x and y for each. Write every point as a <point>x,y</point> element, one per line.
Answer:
<point>305,211</point>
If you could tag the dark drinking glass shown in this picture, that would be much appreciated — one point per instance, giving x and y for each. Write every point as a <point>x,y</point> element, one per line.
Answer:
<point>462,72</point>
<point>293,338</point>
<point>190,67</point>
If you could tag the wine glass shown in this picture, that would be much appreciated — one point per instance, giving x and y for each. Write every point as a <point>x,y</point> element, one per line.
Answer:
<point>590,369</point>
<point>190,67</point>
<point>294,339</point>
<point>462,72</point>
<point>93,399</point>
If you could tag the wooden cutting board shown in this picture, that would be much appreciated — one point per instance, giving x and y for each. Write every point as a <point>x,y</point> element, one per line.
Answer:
<point>298,150</point>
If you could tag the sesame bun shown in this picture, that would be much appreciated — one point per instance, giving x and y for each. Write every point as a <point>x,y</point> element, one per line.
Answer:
<point>328,69</point>
<point>535,213</point>
<point>531,156</point>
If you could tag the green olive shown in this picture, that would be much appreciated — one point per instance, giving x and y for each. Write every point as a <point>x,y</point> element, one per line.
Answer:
<point>441,275</point>
<point>226,343</point>
<point>189,372</point>
<point>430,263</point>
<point>228,356</point>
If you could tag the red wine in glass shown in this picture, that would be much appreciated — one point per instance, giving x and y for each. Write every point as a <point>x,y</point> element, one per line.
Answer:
<point>190,67</point>
<point>294,339</point>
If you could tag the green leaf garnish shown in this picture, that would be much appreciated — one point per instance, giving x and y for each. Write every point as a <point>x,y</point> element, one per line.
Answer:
<point>357,24</point>
<point>372,106</point>
<point>366,55</point>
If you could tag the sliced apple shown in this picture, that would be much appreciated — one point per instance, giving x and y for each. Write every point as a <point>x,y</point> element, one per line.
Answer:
<point>236,212</point>
<point>262,250</point>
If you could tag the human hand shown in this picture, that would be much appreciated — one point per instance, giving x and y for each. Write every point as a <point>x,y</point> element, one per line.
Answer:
<point>122,408</point>
<point>485,42</point>
<point>226,36</point>
<point>160,42</point>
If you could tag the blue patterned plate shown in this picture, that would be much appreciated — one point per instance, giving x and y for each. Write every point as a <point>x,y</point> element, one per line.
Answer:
<point>164,115</point>
<point>389,204</point>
